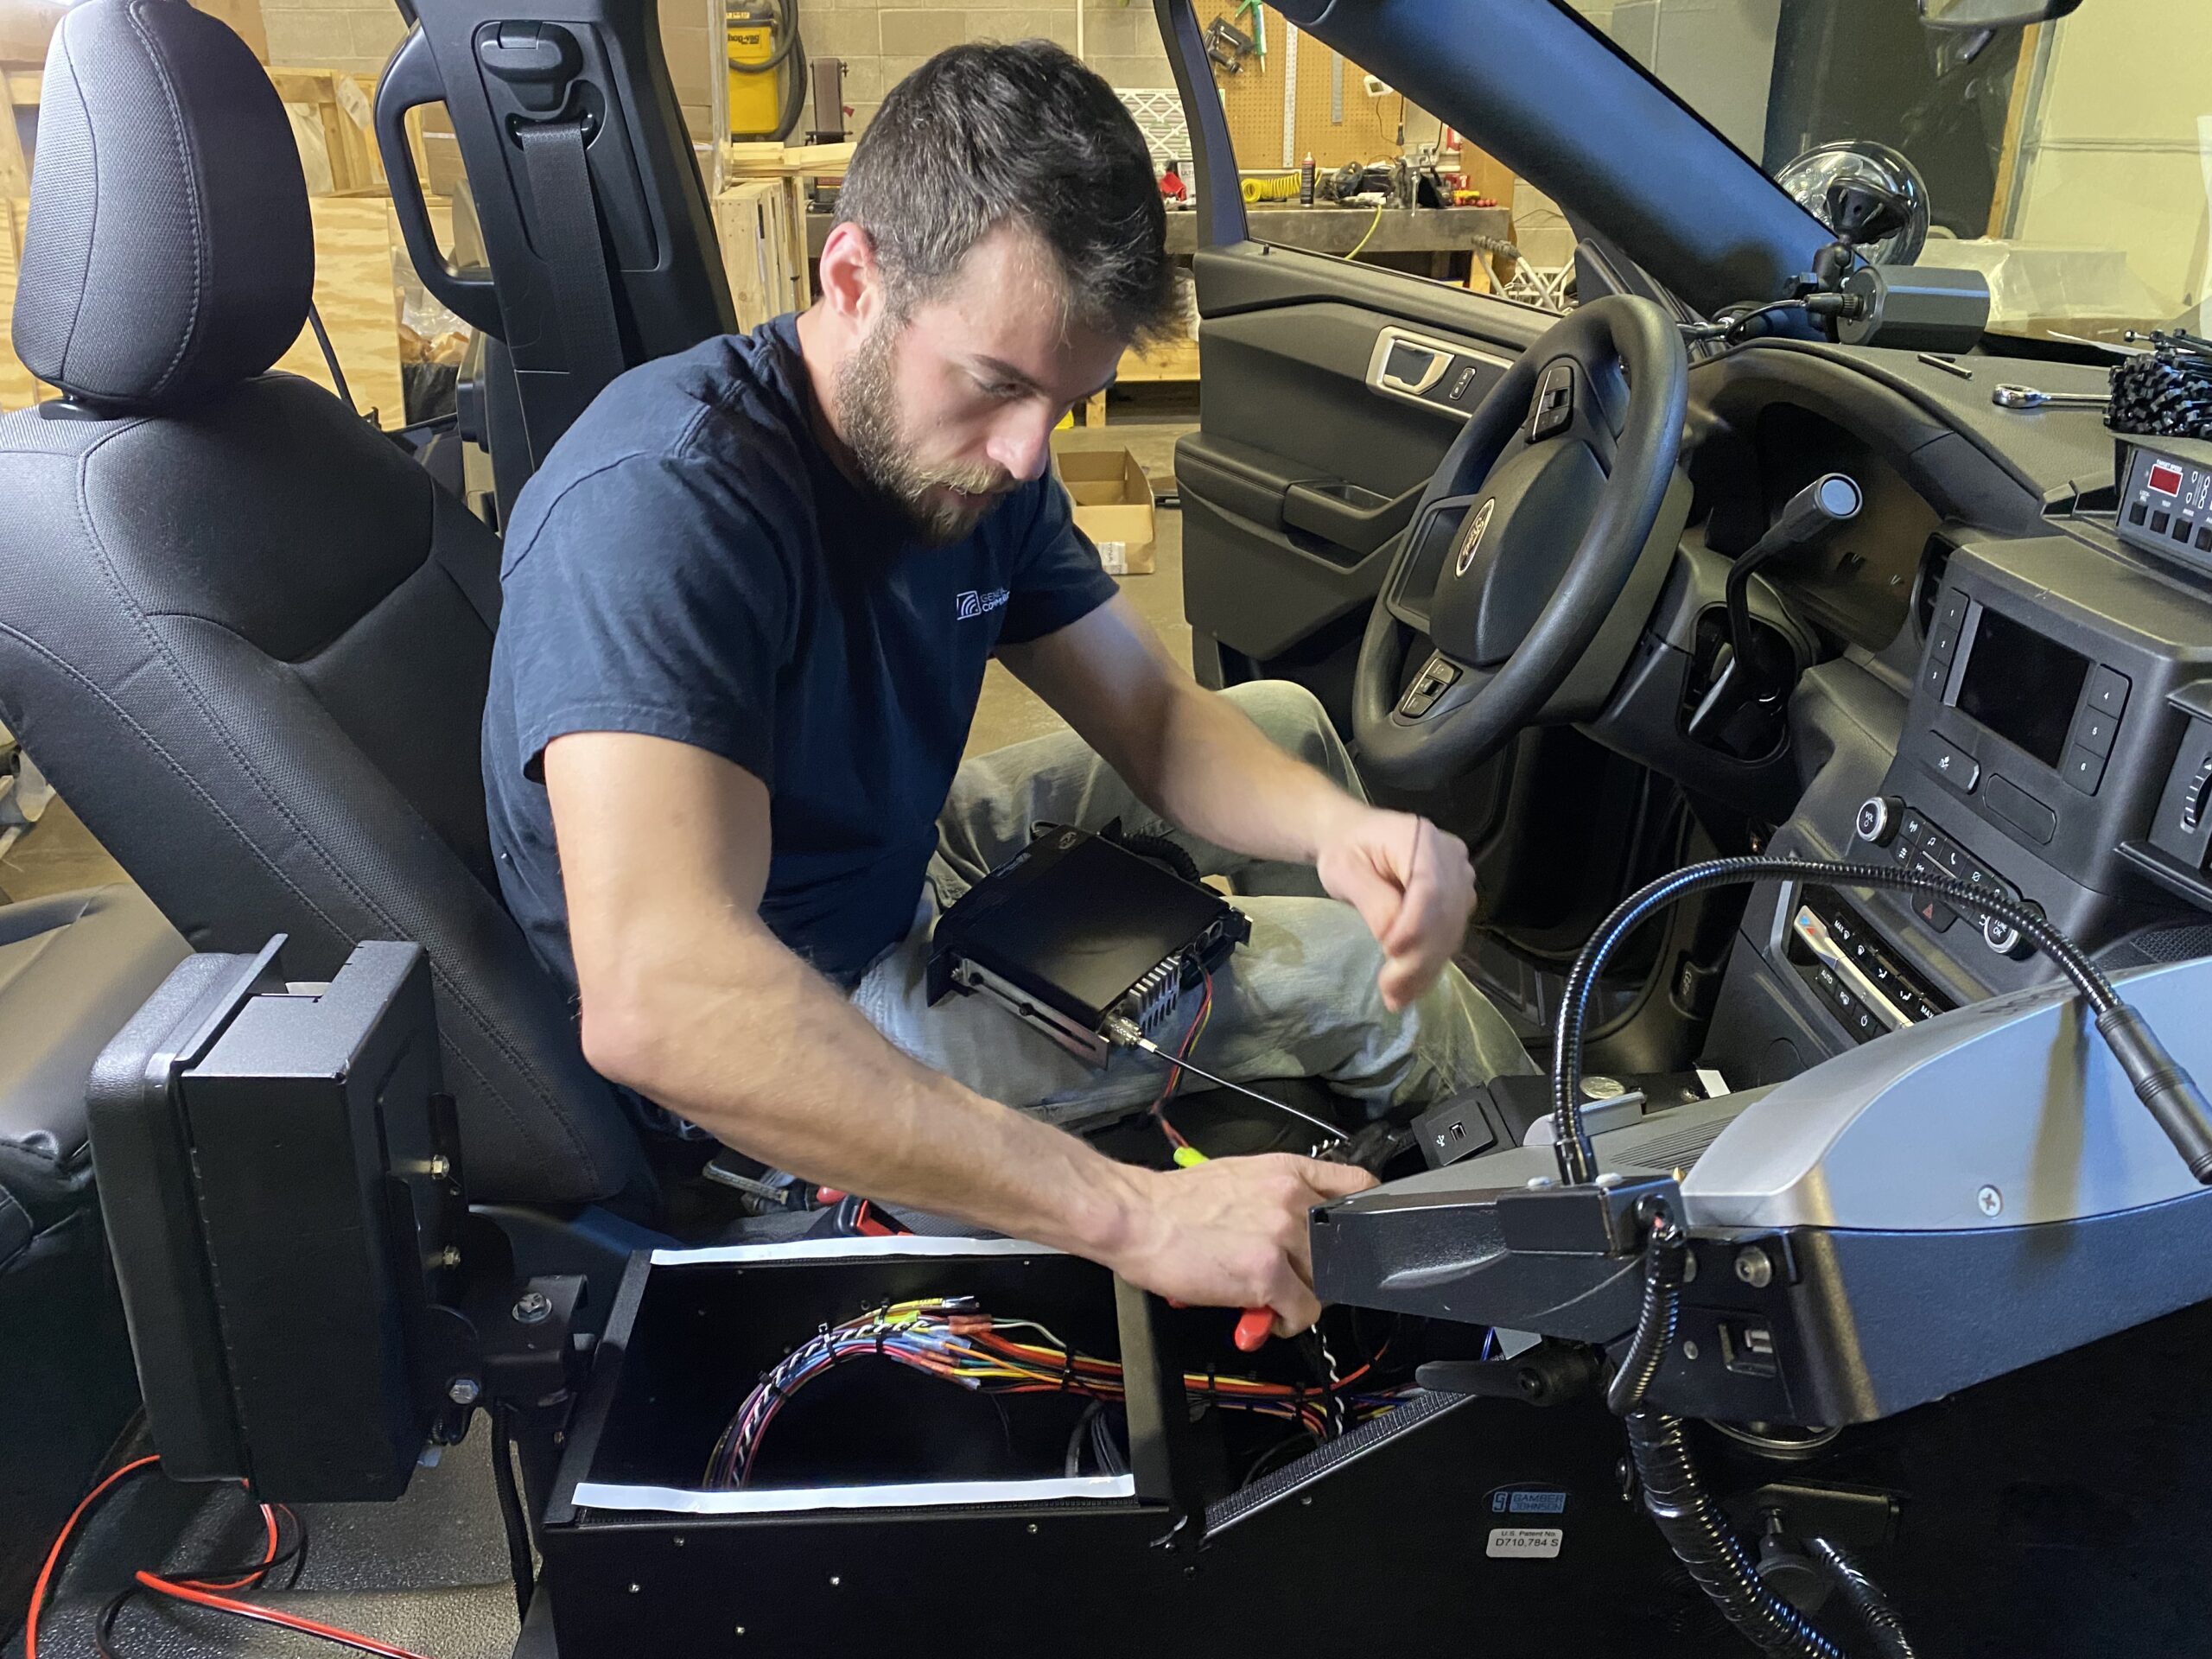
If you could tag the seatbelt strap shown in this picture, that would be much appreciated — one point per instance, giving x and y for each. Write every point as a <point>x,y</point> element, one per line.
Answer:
<point>568,241</point>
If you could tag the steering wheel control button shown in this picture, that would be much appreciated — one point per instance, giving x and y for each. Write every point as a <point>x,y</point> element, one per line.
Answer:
<point>1953,763</point>
<point>1877,818</point>
<point>1437,676</point>
<point>2108,690</point>
<point>1553,411</point>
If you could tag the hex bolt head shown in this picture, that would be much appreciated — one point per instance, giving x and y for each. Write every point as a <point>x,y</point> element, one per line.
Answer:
<point>1990,1199</point>
<point>464,1390</point>
<point>533,1307</point>
<point>448,1257</point>
<point>1755,1267</point>
<point>440,1165</point>
<point>1689,1351</point>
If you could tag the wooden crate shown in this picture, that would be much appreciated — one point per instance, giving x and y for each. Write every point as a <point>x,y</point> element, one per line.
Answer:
<point>333,121</point>
<point>1174,362</point>
<point>752,224</point>
<point>789,166</point>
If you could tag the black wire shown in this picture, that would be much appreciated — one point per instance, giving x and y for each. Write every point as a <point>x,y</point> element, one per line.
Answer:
<point>1578,1162</point>
<point>104,1632</point>
<point>225,1571</point>
<point>520,1563</point>
<point>1866,1597</point>
<point>300,1560</point>
<point>1072,1464</point>
<point>1298,1445</point>
<point>1664,1254</point>
<point>1704,1542</point>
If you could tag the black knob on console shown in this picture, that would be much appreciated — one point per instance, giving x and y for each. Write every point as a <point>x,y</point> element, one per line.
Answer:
<point>2006,939</point>
<point>1877,818</point>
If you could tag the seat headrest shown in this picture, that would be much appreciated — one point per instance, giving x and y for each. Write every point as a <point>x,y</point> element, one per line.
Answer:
<point>168,253</point>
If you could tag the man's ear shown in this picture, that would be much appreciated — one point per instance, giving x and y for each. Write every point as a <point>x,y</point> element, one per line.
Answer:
<point>851,281</point>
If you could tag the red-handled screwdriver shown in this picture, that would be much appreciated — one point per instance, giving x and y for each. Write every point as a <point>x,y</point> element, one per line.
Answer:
<point>1254,1326</point>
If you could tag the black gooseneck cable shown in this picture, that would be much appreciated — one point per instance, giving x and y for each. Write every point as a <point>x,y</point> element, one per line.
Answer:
<point>1693,1525</point>
<point>2167,1091</point>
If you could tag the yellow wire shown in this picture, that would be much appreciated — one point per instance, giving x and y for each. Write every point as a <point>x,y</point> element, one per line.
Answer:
<point>1372,224</point>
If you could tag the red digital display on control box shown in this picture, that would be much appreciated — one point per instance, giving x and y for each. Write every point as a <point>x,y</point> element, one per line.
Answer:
<point>2164,477</point>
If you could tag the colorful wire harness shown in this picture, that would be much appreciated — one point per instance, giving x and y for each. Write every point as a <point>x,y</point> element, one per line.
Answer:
<point>952,1338</point>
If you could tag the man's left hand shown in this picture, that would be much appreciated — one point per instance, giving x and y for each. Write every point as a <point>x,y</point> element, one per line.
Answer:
<point>1413,886</point>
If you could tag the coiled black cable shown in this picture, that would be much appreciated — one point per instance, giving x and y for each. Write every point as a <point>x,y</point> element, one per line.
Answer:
<point>1866,1597</point>
<point>2169,1094</point>
<point>1664,1254</point>
<point>1703,1541</point>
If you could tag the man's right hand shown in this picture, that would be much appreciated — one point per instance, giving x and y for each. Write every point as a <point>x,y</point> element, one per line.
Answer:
<point>1232,1233</point>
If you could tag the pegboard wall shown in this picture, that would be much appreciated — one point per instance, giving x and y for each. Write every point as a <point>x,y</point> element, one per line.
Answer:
<point>1337,126</point>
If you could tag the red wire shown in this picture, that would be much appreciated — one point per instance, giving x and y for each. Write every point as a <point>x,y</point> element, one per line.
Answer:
<point>270,1616</point>
<point>267,1559</point>
<point>1175,1071</point>
<point>202,1594</point>
<point>60,1539</point>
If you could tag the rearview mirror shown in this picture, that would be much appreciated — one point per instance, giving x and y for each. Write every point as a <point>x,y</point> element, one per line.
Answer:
<point>1992,14</point>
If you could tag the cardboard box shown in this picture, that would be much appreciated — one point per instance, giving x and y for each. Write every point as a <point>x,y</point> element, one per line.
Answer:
<point>1113,506</point>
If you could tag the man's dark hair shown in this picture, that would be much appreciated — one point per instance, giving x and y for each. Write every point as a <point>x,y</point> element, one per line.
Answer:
<point>983,135</point>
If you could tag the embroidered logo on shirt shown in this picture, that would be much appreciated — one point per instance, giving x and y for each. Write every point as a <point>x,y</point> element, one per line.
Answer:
<point>972,603</point>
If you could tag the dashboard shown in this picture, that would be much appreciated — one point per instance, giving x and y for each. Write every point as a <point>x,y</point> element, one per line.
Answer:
<point>2006,679</point>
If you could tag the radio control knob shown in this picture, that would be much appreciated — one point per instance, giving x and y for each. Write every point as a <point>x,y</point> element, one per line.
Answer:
<point>2006,939</point>
<point>1877,818</point>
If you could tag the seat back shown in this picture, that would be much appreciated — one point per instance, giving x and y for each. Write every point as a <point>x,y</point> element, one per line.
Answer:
<point>245,635</point>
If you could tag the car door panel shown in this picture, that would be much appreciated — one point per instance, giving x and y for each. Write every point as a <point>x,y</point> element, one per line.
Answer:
<point>1310,460</point>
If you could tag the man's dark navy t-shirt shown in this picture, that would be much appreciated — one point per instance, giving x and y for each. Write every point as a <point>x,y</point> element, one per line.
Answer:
<point>690,563</point>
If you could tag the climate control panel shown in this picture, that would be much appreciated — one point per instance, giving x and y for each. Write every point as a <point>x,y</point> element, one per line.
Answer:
<point>1867,988</point>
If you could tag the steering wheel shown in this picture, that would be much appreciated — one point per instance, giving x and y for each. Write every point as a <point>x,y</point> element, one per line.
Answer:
<point>1523,541</point>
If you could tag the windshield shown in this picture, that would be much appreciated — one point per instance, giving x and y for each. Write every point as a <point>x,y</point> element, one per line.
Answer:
<point>2068,162</point>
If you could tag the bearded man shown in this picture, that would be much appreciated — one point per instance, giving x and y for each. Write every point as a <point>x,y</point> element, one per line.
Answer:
<point>749,600</point>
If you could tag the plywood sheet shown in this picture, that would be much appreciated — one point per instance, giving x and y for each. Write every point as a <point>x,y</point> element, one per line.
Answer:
<point>17,389</point>
<point>353,291</point>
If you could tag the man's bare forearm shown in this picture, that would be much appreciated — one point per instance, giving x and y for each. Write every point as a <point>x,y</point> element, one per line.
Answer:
<point>770,1058</point>
<point>1190,754</point>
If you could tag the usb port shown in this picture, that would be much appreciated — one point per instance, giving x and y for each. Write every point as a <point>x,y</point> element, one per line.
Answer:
<point>1748,1349</point>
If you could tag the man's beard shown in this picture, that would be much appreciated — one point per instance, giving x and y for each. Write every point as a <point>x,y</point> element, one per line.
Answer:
<point>868,413</point>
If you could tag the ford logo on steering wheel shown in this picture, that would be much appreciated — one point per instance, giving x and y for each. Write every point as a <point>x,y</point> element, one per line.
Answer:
<point>1471,542</point>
